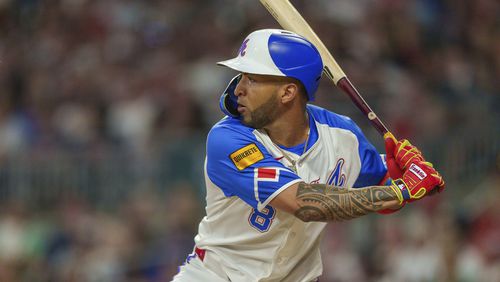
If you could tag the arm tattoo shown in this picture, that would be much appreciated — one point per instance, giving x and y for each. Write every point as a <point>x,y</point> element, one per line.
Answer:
<point>320,202</point>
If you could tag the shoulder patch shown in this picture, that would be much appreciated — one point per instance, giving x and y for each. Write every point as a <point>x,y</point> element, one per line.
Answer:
<point>246,156</point>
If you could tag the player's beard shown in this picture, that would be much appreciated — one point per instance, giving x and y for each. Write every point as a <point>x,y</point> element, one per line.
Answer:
<point>264,114</point>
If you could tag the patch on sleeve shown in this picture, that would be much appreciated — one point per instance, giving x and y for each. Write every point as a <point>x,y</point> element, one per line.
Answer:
<point>246,156</point>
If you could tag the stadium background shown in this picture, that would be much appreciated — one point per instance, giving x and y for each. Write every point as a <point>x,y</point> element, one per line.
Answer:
<point>105,105</point>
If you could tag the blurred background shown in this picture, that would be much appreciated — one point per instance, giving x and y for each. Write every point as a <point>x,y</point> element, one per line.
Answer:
<point>105,106</point>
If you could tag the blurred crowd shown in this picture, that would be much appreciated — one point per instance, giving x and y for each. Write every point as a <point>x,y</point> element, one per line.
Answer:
<point>107,104</point>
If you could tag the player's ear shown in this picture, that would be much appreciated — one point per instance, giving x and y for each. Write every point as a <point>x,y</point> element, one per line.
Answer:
<point>289,92</point>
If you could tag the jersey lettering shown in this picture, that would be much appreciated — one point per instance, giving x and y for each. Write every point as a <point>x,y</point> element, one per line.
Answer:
<point>337,178</point>
<point>262,220</point>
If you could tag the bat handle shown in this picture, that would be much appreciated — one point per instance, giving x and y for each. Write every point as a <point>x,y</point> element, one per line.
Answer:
<point>351,91</point>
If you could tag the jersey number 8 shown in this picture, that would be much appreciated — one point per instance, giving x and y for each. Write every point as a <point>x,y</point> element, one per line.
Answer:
<point>262,220</point>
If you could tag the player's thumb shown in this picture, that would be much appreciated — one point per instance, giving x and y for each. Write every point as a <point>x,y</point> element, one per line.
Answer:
<point>390,144</point>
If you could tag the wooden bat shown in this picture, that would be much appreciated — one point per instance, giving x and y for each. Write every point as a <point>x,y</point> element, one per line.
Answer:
<point>290,19</point>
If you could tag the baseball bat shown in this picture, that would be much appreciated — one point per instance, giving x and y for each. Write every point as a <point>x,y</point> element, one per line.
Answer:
<point>290,19</point>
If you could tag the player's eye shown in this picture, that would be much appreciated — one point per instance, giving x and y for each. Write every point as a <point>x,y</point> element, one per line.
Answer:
<point>249,79</point>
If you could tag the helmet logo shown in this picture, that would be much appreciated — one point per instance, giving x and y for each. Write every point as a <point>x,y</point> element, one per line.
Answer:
<point>243,47</point>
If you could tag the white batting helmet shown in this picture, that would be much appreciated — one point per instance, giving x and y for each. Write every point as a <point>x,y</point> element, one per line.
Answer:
<point>280,53</point>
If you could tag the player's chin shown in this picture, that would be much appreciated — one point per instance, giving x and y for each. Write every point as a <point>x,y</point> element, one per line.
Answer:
<point>247,121</point>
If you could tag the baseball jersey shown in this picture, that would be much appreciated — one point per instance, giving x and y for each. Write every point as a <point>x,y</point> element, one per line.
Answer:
<point>245,170</point>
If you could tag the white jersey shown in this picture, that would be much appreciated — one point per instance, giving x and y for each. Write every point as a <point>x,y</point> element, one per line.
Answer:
<point>245,170</point>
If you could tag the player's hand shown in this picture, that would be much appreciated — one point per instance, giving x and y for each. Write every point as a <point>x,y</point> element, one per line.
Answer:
<point>418,180</point>
<point>399,154</point>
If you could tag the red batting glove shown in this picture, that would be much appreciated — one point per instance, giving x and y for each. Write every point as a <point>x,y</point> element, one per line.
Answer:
<point>419,179</point>
<point>399,154</point>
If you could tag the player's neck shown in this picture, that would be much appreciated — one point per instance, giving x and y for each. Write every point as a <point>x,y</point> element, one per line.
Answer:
<point>291,129</point>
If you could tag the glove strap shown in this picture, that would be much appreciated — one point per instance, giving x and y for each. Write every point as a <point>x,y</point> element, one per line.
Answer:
<point>399,186</point>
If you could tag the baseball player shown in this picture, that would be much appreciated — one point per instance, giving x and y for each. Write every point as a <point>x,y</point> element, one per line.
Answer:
<point>277,169</point>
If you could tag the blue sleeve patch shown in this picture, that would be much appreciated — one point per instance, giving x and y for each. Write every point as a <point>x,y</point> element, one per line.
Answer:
<point>241,166</point>
<point>373,168</point>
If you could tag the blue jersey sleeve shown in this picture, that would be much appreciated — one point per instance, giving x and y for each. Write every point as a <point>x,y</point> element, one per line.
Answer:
<point>241,166</point>
<point>373,168</point>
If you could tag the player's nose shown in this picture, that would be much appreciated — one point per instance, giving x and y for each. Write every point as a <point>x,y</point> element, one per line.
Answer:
<point>240,87</point>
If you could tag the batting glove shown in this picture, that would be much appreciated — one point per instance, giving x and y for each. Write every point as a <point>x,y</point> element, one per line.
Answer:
<point>399,154</point>
<point>418,180</point>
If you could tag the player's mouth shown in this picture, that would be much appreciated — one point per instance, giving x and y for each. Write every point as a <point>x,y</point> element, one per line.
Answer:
<point>241,108</point>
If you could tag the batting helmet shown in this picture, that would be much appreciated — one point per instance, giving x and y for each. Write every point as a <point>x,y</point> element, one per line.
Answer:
<point>280,53</point>
<point>228,102</point>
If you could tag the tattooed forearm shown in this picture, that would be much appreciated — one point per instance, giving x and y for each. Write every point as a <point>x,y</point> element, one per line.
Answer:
<point>320,202</point>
